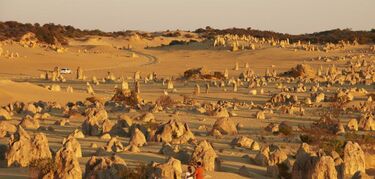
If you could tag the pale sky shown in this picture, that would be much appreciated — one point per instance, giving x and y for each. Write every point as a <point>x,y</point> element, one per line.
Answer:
<point>288,16</point>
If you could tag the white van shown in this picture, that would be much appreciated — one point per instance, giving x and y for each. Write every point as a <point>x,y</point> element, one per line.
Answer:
<point>65,71</point>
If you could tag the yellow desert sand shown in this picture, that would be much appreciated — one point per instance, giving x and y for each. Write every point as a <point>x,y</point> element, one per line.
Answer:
<point>132,104</point>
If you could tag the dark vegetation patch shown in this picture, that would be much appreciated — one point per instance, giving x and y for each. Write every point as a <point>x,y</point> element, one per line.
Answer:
<point>56,33</point>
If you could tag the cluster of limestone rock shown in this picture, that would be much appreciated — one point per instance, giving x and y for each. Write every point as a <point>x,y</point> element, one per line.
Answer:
<point>8,54</point>
<point>25,150</point>
<point>176,134</point>
<point>340,45</point>
<point>236,43</point>
<point>29,40</point>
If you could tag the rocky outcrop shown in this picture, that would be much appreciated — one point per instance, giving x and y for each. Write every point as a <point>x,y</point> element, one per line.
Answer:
<point>225,126</point>
<point>29,122</point>
<point>78,134</point>
<point>220,112</point>
<point>354,159</point>
<point>6,128</point>
<point>127,97</point>
<point>174,132</point>
<point>75,146</point>
<point>5,115</point>
<point>274,159</point>
<point>205,154</point>
<point>309,165</point>
<point>114,145</point>
<point>137,138</point>
<point>367,123</point>
<point>147,117</point>
<point>104,167</point>
<point>353,125</point>
<point>67,162</point>
<point>97,122</point>
<point>245,142</point>
<point>301,70</point>
<point>171,169</point>
<point>23,148</point>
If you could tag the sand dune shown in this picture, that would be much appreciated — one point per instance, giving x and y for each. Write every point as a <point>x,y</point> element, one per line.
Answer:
<point>11,91</point>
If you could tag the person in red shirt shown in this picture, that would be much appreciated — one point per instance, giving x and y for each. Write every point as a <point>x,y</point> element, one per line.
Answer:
<point>199,171</point>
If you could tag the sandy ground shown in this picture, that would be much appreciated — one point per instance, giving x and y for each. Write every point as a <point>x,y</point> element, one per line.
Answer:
<point>20,82</point>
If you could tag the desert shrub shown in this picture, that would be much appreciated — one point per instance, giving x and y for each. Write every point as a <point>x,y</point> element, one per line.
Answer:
<point>284,170</point>
<point>332,145</point>
<point>139,172</point>
<point>188,36</point>
<point>188,100</point>
<point>3,149</point>
<point>178,42</point>
<point>360,138</point>
<point>285,129</point>
<point>172,34</point>
<point>309,139</point>
<point>43,166</point>
<point>165,101</point>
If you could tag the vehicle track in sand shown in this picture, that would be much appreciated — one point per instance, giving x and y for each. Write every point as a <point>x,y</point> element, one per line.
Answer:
<point>151,60</point>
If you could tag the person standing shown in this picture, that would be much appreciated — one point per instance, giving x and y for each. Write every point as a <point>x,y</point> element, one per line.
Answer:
<point>199,171</point>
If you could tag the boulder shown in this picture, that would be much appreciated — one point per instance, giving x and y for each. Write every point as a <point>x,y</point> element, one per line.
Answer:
<point>354,158</point>
<point>78,134</point>
<point>67,162</point>
<point>261,115</point>
<point>309,165</point>
<point>124,121</point>
<point>367,123</point>
<point>272,127</point>
<point>137,138</point>
<point>114,145</point>
<point>301,70</point>
<point>353,125</point>
<point>205,154</point>
<point>106,136</point>
<point>169,150</point>
<point>220,112</point>
<point>132,148</point>
<point>174,132</point>
<point>30,109</point>
<point>283,99</point>
<point>128,97</point>
<point>361,175</point>
<point>23,148</point>
<point>62,122</point>
<point>225,126</point>
<point>171,169</point>
<point>29,122</point>
<point>96,122</point>
<point>6,128</point>
<point>245,142</point>
<point>105,167</point>
<point>147,117</point>
<point>270,155</point>
<point>202,73</point>
<point>5,115</point>
<point>75,146</point>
